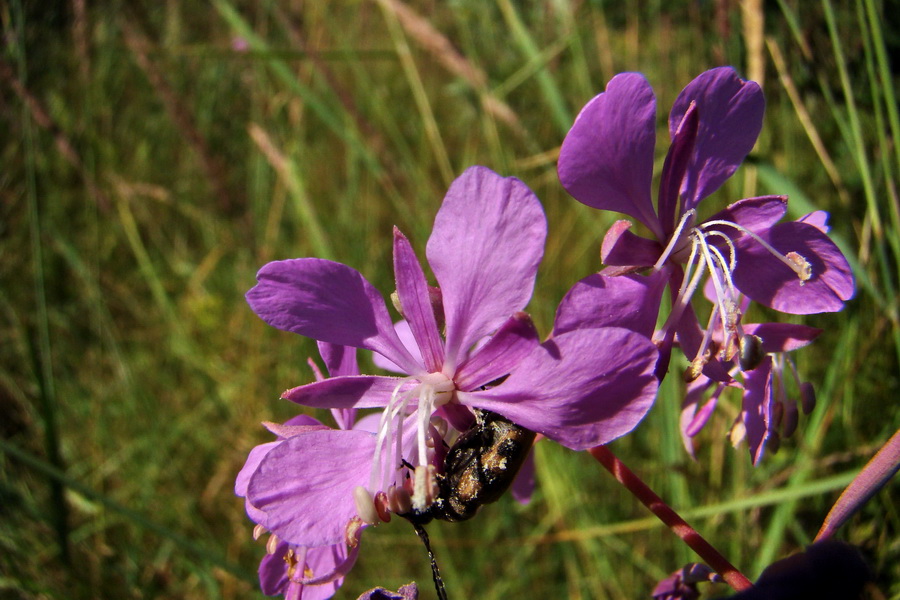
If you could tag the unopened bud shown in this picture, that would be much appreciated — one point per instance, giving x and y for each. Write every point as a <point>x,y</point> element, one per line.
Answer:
<point>751,352</point>
<point>791,417</point>
<point>773,443</point>
<point>807,397</point>
<point>777,415</point>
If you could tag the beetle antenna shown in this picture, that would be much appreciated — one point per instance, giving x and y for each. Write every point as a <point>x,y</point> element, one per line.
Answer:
<point>435,571</point>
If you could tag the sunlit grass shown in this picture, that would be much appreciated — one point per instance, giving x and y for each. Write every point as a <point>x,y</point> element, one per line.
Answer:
<point>157,156</point>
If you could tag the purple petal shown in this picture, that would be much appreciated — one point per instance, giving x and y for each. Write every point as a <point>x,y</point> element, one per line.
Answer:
<point>818,219</point>
<point>877,472</point>
<point>702,416</point>
<point>243,480</point>
<point>504,350</point>
<point>412,290</point>
<point>523,485</point>
<point>623,248</point>
<point>581,389</point>
<point>782,337</point>
<point>629,301</point>
<point>285,430</point>
<point>767,280</point>
<point>273,578</point>
<point>606,159</point>
<point>305,485</point>
<point>362,391</point>
<point>756,408</point>
<point>675,167</point>
<point>731,112</point>
<point>409,342</point>
<point>756,214</point>
<point>339,360</point>
<point>320,561</point>
<point>487,242</point>
<point>327,301</point>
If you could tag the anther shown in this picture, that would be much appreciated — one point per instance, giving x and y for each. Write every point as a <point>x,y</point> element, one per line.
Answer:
<point>804,269</point>
<point>290,559</point>
<point>695,369</point>
<point>399,500</point>
<point>425,487</point>
<point>258,531</point>
<point>381,507</point>
<point>272,544</point>
<point>351,533</point>
<point>365,506</point>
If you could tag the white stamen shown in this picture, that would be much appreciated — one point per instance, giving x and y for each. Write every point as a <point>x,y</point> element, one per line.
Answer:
<point>686,222</point>
<point>794,261</point>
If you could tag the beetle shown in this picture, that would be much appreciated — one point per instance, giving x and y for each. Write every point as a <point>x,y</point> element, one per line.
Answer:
<point>478,468</point>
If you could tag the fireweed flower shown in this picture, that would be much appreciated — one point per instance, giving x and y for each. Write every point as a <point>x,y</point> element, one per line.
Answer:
<point>759,365</point>
<point>582,388</point>
<point>298,571</point>
<point>606,161</point>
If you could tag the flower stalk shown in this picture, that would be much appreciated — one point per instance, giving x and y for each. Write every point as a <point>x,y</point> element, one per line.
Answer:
<point>732,576</point>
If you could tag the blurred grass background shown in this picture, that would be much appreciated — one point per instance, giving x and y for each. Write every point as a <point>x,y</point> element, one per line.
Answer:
<point>156,154</point>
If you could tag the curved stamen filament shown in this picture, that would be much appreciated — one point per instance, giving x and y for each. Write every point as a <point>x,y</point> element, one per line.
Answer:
<point>689,284</point>
<point>797,264</point>
<point>686,222</point>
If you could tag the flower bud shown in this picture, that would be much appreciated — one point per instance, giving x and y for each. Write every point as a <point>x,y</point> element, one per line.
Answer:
<point>807,397</point>
<point>751,352</point>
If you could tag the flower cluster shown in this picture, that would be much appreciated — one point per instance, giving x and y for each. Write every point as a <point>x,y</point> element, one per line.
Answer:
<point>743,252</point>
<point>464,348</point>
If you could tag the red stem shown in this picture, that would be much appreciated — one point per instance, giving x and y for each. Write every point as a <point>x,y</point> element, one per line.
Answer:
<point>664,512</point>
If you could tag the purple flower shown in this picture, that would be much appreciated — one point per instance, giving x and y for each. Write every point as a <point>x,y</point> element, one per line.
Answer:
<point>758,354</point>
<point>287,569</point>
<point>410,591</point>
<point>581,388</point>
<point>606,162</point>
<point>682,584</point>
